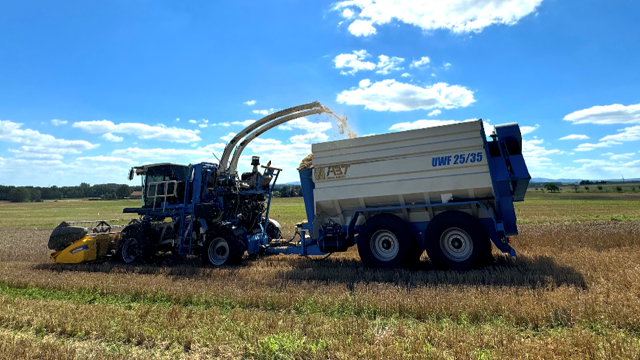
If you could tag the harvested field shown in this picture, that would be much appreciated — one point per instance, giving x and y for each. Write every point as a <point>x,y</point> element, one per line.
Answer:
<point>573,292</point>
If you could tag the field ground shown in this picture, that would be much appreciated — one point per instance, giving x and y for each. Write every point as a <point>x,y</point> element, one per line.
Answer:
<point>573,292</point>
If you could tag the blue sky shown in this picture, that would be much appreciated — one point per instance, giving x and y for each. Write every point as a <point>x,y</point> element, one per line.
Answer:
<point>89,89</point>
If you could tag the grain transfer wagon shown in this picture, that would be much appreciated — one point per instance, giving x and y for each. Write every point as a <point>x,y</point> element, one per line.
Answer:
<point>447,190</point>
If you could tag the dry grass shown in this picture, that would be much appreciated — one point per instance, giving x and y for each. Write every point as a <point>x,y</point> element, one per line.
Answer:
<point>573,292</point>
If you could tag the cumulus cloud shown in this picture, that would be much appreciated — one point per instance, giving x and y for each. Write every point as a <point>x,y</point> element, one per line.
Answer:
<point>613,156</point>
<point>306,125</point>
<point>102,158</point>
<point>57,122</point>
<point>421,124</point>
<point>609,114</point>
<point>310,138</point>
<point>244,123</point>
<point>589,146</point>
<point>575,137</point>
<point>389,64</point>
<point>362,28</point>
<point>142,131</point>
<point>627,134</point>
<point>347,13</point>
<point>528,129</point>
<point>112,138</point>
<point>13,132</point>
<point>228,137</point>
<point>389,95</point>
<point>458,16</point>
<point>250,102</point>
<point>537,155</point>
<point>263,112</point>
<point>355,62</point>
<point>193,121</point>
<point>21,154</point>
<point>434,112</point>
<point>420,64</point>
<point>406,75</point>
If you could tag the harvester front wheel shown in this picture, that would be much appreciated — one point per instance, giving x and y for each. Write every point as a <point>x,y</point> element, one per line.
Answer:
<point>456,240</point>
<point>129,250</point>
<point>385,241</point>
<point>222,249</point>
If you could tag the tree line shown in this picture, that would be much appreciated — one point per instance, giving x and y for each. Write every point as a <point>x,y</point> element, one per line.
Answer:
<point>36,193</point>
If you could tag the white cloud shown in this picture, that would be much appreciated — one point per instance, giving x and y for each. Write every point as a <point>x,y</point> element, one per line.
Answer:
<point>609,114</point>
<point>528,129</point>
<point>421,124</point>
<point>627,134</point>
<point>13,132</point>
<point>203,125</point>
<point>142,131</point>
<point>101,158</point>
<point>388,64</point>
<point>406,75</point>
<point>250,102</point>
<point>20,154</point>
<point>447,65</point>
<point>310,138</point>
<point>57,122</point>
<point>262,112</point>
<point>389,95</point>
<point>112,138</point>
<point>434,112</point>
<point>537,155</point>
<point>458,16</point>
<point>364,83</point>
<point>575,137</point>
<point>193,121</point>
<point>420,64</point>
<point>613,156</point>
<point>347,13</point>
<point>589,146</point>
<point>362,28</point>
<point>244,123</point>
<point>177,119</point>
<point>354,61</point>
<point>228,137</point>
<point>306,125</point>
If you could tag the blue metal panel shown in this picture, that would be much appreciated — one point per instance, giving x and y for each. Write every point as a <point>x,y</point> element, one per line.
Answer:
<point>308,185</point>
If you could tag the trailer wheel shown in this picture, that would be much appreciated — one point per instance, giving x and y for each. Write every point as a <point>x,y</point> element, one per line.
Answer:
<point>384,241</point>
<point>455,240</point>
<point>222,249</point>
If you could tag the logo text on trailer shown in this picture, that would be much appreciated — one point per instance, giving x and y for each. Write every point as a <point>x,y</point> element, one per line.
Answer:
<point>331,172</point>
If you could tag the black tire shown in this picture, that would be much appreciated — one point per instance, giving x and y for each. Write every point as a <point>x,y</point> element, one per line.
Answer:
<point>384,241</point>
<point>222,248</point>
<point>455,240</point>
<point>412,259</point>
<point>129,249</point>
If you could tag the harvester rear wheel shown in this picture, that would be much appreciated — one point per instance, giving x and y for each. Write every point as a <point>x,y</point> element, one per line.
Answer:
<point>222,248</point>
<point>385,241</point>
<point>455,240</point>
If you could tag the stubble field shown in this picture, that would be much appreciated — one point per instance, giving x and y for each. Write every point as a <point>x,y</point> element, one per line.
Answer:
<point>573,292</point>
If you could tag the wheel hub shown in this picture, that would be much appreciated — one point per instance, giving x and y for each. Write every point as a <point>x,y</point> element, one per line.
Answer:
<point>385,245</point>
<point>218,251</point>
<point>456,244</point>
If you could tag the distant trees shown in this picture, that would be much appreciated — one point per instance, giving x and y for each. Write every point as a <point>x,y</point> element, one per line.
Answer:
<point>31,193</point>
<point>19,195</point>
<point>123,191</point>
<point>551,187</point>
